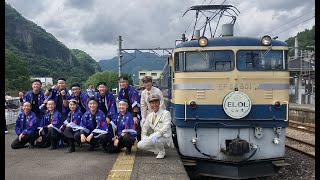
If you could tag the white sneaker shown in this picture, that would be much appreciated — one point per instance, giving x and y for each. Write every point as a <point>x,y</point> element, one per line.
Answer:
<point>6,132</point>
<point>161,155</point>
<point>156,152</point>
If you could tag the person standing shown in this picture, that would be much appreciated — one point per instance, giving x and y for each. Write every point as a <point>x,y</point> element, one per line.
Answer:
<point>90,90</point>
<point>26,126</point>
<point>149,89</point>
<point>35,97</point>
<point>5,120</point>
<point>80,96</point>
<point>60,95</point>
<point>129,93</point>
<point>159,122</point>
<point>106,102</point>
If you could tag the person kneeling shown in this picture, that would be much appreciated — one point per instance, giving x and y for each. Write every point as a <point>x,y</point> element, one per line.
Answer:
<point>125,128</point>
<point>159,124</point>
<point>26,126</point>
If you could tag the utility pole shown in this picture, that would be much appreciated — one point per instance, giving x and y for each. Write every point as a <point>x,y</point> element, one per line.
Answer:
<point>119,59</point>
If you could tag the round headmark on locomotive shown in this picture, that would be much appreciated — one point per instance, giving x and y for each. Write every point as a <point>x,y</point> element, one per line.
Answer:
<point>236,104</point>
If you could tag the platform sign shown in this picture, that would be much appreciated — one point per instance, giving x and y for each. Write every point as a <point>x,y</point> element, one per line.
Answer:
<point>236,104</point>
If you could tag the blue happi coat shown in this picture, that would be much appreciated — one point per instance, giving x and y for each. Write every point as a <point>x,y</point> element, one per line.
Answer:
<point>86,121</point>
<point>31,123</point>
<point>133,94</point>
<point>109,103</point>
<point>55,122</point>
<point>76,117</point>
<point>55,95</point>
<point>83,100</point>
<point>28,98</point>
<point>126,125</point>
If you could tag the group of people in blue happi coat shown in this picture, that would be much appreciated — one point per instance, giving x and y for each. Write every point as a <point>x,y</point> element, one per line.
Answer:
<point>56,117</point>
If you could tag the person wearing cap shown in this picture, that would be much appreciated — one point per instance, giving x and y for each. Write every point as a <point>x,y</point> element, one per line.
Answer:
<point>106,102</point>
<point>132,96</point>
<point>26,126</point>
<point>149,89</point>
<point>159,122</point>
<point>125,133</point>
<point>35,97</point>
<point>59,93</point>
<point>95,128</point>
<point>80,96</point>
<point>71,124</point>
<point>50,124</point>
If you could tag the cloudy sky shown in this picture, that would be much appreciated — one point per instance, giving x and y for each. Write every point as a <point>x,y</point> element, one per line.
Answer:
<point>94,25</point>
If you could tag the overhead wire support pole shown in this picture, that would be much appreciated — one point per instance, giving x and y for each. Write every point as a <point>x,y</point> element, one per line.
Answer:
<point>119,59</point>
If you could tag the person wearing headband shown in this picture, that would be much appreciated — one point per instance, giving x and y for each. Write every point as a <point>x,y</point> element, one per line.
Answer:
<point>95,128</point>
<point>125,133</point>
<point>129,93</point>
<point>71,124</point>
<point>159,123</point>
<point>106,101</point>
<point>80,96</point>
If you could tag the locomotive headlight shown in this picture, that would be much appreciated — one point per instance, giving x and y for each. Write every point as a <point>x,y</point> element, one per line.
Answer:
<point>203,41</point>
<point>193,104</point>
<point>277,104</point>
<point>266,40</point>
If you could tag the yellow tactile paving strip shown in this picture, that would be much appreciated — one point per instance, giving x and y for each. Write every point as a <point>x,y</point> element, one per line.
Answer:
<point>122,168</point>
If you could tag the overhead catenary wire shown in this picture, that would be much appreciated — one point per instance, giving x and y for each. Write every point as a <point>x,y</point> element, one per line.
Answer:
<point>294,25</point>
<point>289,22</point>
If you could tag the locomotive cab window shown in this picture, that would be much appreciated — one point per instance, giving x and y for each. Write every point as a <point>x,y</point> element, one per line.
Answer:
<point>260,60</point>
<point>204,61</point>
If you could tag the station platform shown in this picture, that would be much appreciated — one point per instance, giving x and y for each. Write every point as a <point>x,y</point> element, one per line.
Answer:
<point>41,163</point>
<point>307,107</point>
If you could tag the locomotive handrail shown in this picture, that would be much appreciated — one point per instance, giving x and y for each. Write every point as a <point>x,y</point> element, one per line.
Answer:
<point>266,77</point>
<point>185,110</point>
<point>201,78</point>
<point>287,113</point>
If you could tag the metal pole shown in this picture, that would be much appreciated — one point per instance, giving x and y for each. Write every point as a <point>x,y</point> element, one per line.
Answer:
<point>119,59</point>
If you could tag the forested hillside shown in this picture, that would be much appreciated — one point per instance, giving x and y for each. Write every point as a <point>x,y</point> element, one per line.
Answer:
<point>306,40</point>
<point>42,53</point>
<point>134,62</point>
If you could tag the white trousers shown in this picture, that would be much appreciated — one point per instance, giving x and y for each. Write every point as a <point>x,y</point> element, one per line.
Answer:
<point>147,145</point>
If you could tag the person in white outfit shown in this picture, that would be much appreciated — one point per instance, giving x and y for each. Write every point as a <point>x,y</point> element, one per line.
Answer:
<point>149,89</point>
<point>159,122</point>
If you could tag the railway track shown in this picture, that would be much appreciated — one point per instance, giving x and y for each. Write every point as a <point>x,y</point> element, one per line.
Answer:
<point>302,126</point>
<point>296,143</point>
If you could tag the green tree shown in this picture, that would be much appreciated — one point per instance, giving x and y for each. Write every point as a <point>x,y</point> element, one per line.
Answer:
<point>17,73</point>
<point>110,77</point>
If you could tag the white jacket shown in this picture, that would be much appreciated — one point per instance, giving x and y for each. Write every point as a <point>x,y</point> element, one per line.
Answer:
<point>162,125</point>
<point>145,105</point>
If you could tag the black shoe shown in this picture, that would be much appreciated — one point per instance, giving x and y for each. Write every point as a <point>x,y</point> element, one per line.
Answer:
<point>91,148</point>
<point>31,146</point>
<point>70,150</point>
<point>52,147</point>
<point>128,151</point>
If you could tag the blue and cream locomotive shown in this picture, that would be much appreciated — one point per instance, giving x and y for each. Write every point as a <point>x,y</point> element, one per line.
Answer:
<point>228,97</point>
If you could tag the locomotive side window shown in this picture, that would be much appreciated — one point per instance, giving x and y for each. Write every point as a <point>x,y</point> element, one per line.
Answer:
<point>257,60</point>
<point>179,61</point>
<point>204,61</point>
